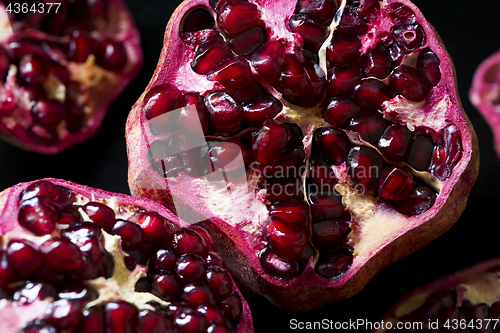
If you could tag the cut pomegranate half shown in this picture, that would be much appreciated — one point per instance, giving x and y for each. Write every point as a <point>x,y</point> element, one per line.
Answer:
<point>59,75</point>
<point>352,155</point>
<point>149,272</point>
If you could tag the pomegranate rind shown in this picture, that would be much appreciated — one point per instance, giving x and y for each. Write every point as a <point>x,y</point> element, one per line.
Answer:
<point>101,86</point>
<point>486,271</point>
<point>9,203</point>
<point>309,290</point>
<point>484,90</point>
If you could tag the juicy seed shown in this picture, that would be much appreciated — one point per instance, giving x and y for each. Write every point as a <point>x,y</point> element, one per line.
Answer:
<point>364,166</point>
<point>196,295</point>
<point>187,118</point>
<point>41,188</point>
<point>196,20</point>
<point>61,254</point>
<point>63,314</point>
<point>224,112</point>
<point>285,239</point>
<point>338,111</point>
<point>316,88</point>
<point>420,199</point>
<point>121,317</point>
<point>293,79</point>
<point>409,36</point>
<point>130,233</point>
<point>188,241</point>
<point>410,83</point>
<point>328,235</point>
<point>48,112</point>
<point>268,59</point>
<point>421,153</point>
<point>246,42</point>
<point>33,69</point>
<point>377,62</point>
<point>334,265</point>
<point>395,183</point>
<point>210,56</point>
<point>233,307</point>
<point>100,214</point>
<point>80,47</point>
<point>261,109</point>
<point>166,286</point>
<point>371,93</point>
<point>332,144</point>
<point>343,79</point>
<point>190,267</point>
<point>394,143</point>
<point>46,136</point>
<point>161,99</point>
<point>69,215</point>
<point>219,282</point>
<point>429,64</point>
<point>400,13</point>
<point>154,226</point>
<point>269,142</point>
<point>233,75</point>
<point>370,126</point>
<point>236,16</point>
<point>188,321</point>
<point>351,23</point>
<point>111,55</point>
<point>343,50</point>
<point>37,216</point>
<point>38,327</point>
<point>283,269</point>
<point>320,9</point>
<point>313,31</point>
<point>325,205</point>
<point>23,257</point>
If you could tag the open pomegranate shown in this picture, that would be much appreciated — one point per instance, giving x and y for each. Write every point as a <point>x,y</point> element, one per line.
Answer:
<point>485,94</point>
<point>465,301</point>
<point>59,73</point>
<point>77,259</point>
<point>318,141</point>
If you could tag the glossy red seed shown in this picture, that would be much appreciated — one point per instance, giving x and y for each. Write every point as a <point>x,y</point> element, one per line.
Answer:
<point>43,135</point>
<point>166,286</point>
<point>38,327</point>
<point>409,36</point>
<point>75,118</point>
<point>190,267</point>
<point>223,155</point>
<point>247,94</point>
<point>130,233</point>
<point>281,189</point>
<point>371,93</point>
<point>7,273</point>
<point>273,265</point>
<point>224,112</point>
<point>154,226</point>
<point>395,183</point>
<point>4,63</point>
<point>111,55</point>
<point>187,240</point>
<point>120,317</point>
<point>236,16</point>
<point>164,260</point>
<point>421,153</point>
<point>316,88</point>
<point>338,111</point>
<point>63,314</point>
<point>410,83</point>
<point>77,292</point>
<point>210,56</point>
<point>198,19</point>
<point>400,13</point>
<point>69,215</point>
<point>429,64</point>
<point>100,214</point>
<point>343,50</point>
<point>161,99</point>
<point>196,295</point>
<point>268,60</point>
<point>246,42</point>
<point>377,62</point>
<point>61,254</point>
<point>452,143</point>
<point>313,31</point>
<point>320,9</point>
<point>320,174</point>
<point>342,80</point>
<point>23,256</point>
<point>33,69</point>
<point>364,166</point>
<point>269,142</point>
<point>328,235</point>
<point>80,47</point>
<point>290,164</point>
<point>152,322</point>
<point>285,239</point>
<point>333,265</point>
<point>82,230</point>
<point>370,126</point>
<point>394,142</point>
<point>213,259</point>
<point>293,80</point>
<point>187,117</point>
<point>37,216</point>
<point>188,321</point>
<point>420,199</point>
<point>233,307</point>
<point>219,281</point>
<point>48,112</point>
<point>218,328</point>
<point>233,75</point>
<point>209,241</point>
<point>351,23</point>
<point>261,109</point>
<point>332,144</point>
<point>325,205</point>
<point>42,188</point>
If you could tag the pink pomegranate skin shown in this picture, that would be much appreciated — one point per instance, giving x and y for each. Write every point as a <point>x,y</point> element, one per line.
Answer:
<point>99,87</point>
<point>9,204</point>
<point>309,290</point>
<point>482,274</point>
<point>485,94</point>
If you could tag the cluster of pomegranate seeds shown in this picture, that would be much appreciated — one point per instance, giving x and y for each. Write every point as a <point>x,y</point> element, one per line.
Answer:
<point>67,251</point>
<point>260,91</point>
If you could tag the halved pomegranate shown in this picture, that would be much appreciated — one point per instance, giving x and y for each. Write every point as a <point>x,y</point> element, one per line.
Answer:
<point>321,147</point>
<point>77,259</point>
<point>465,301</point>
<point>59,74</point>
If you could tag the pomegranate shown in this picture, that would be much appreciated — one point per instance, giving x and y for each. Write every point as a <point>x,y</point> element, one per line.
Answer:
<point>77,259</point>
<point>318,142</point>
<point>485,94</point>
<point>60,72</point>
<point>465,301</point>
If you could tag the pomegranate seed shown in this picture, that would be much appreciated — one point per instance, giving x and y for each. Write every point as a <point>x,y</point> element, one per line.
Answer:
<point>198,19</point>
<point>92,320</point>
<point>315,91</point>
<point>290,164</point>
<point>212,314</point>
<point>371,93</point>
<point>187,118</point>
<point>377,62</point>
<point>121,317</point>
<point>154,226</point>
<point>106,265</point>
<point>338,111</point>
<point>232,307</point>
<point>313,31</point>
<point>209,241</point>
<point>333,265</point>
<point>48,112</point>
<point>246,42</point>
<point>87,271</point>
<point>320,174</point>
<point>43,135</point>
<point>428,63</point>
<point>33,69</point>
<point>261,109</point>
<point>343,50</point>
<point>268,60</point>
<point>23,256</point>
<point>75,117</point>
<point>210,56</point>
<point>364,167</point>
<point>130,233</point>
<point>188,321</point>
<point>409,36</point>
<point>219,281</point>
<point>410,83</point>
<point>305,255</point>
<point>283,269</point>
<point>296,134</point>
<point>397,54</point>
<point>285,239</point>
<point>187,240</point>
<point>164,260</point>
<point>452,144</point>
<point>160,100</point>
<point>223,153</point>
<point>218,328</point>
<point>328,235</point>
<point>78,292</point>
<point>370,126</point>
<point>38,327</point>
<point>111,55</point>
<point>332,144</point>
<point>325,205</point>
<point>4,63</point>
<point>293,80</point>
<point>249,93</point>
<point>343,79</point>
<point>196,295</point>
<point>69,215</point>
<point>236,16</point>
<point>394,143</point>
<point>37,216</point>
<point>133,258</point>
<point>63,314</point>
<point>43,189</point>
<point>400,13</point>
<point>421,153</point>
<point>80,47</point>
<point>152,322</point>
<point>351,23</point>
<point>82,230</point>
<point>31,292</point>
<point>7,274</point>
<point>224,112</point>
<point>7,100</point>
<point>190,267</point>
<point>213,259</point>
<point>281,189</point>
<point>420,199</point>
<point>395,183</point>
<point>35,92</point>
<point>166,286</point>
<point>61,254</point>
<point>320,9</point>
<point>234,74</point>
<point>100,214</point>
<point>269,142</point>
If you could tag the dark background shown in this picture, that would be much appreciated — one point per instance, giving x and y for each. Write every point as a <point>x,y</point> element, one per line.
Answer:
<point>470,32</point>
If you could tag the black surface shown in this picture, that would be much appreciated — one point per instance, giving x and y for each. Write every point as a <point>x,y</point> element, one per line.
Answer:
<point>470,32</point>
